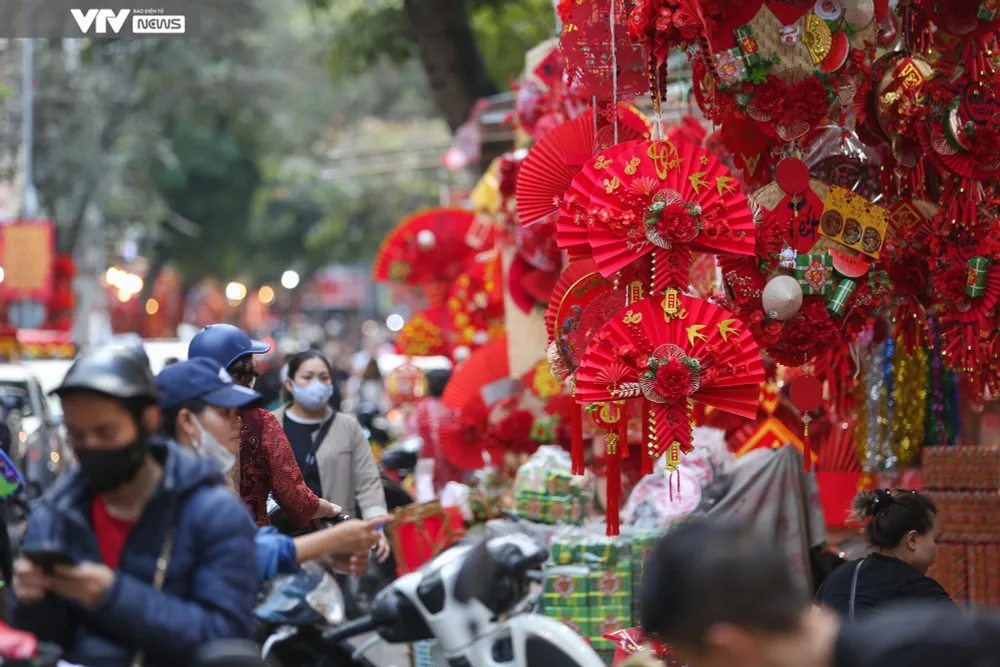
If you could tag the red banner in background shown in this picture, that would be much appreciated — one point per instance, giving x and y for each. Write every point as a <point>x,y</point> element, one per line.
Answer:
<point>27,255</point>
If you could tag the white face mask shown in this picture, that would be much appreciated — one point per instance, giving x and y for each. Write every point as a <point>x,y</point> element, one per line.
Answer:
<point>208,445</point>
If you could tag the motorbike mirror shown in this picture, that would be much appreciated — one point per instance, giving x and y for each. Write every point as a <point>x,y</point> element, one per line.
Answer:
<point>326,599</point>
<point>477,574</point>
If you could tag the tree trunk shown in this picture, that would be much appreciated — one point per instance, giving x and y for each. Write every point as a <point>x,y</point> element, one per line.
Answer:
<point>448,51</point>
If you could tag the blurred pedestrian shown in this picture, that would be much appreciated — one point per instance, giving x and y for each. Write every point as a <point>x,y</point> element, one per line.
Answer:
<point>140,550</point>
<point>266,463</point>
<point>901,526</point>
<point>330,447</point>
<point>201,412</point>
<point>720,596</point>
<point>429,414</point>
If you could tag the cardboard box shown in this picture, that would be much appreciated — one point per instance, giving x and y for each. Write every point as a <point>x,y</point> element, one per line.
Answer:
<point>951,571</point>
<point>968,516</point>
<point>962,468</point>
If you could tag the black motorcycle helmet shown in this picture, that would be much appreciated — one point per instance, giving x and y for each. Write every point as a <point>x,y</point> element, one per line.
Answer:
<point>115,371</point>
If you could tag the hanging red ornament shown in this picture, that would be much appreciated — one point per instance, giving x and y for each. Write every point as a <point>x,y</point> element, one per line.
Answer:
<point>807,395</point>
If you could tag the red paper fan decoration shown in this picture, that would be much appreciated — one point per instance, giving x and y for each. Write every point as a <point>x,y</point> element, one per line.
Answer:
<point>426,333</point>
<point>432,246</point>
<point>597,65</point>
<point>576,289</point>
<point>475,301</point>
<point>670,351</point>
<point>664,200</point>
<point>475,387</point>
<point>559,155</point>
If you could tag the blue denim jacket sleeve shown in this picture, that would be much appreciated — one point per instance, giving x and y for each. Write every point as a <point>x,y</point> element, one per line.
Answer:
<point>275,554</point>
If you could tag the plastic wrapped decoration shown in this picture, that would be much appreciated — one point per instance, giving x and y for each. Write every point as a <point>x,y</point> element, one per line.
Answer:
<point>788,66</point>
<point>600,60</point>
<point>961,136</point>
<point>542,97</point>
<point>841,286</point>
<point>546,491</point>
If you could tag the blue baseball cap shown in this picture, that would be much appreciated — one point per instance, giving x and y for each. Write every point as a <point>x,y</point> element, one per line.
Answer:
<point>225,343</point>
<point>204,379</point>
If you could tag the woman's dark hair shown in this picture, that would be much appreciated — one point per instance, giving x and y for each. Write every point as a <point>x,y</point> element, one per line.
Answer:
<point>295,362</point>
<point>169,421</point>
<point>244,371</point>
<point>437,380</point>
<point>889,516</point>
<point>372,371</point>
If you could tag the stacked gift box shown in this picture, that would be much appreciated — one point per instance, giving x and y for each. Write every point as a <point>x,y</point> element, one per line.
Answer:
<point>964,483</point>
<point>552,496</point>
<point>588,586</point>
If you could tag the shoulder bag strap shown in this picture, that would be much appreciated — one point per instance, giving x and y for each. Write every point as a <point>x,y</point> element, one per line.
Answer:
<point>312,465</point>
<point>854,589</point>
<point>159,577</point>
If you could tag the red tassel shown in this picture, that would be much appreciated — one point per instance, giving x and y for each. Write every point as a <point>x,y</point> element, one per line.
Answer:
<point>806,448</point>
<point>576,444</point>
<point>614,483</point>
<point>648,424</point>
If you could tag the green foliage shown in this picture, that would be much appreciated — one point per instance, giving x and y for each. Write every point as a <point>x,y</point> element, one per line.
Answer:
<point>372,32</point>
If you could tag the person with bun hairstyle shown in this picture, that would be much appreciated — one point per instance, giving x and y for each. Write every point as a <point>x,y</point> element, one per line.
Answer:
<point>901,526</point>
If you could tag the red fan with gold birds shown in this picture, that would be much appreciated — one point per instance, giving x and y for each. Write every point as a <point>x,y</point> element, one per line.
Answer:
<point>559,155</point>
<point>432,246</point>
<point>672,350</point>
<point>663,199</point>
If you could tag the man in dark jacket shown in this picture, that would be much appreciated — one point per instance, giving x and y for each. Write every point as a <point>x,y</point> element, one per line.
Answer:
<point>162,551</point>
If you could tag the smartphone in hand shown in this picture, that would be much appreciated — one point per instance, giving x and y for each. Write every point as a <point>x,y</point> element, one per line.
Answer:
<point>48,559</point>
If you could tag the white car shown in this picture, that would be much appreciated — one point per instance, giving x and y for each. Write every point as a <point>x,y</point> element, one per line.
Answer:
<point>40,449</point>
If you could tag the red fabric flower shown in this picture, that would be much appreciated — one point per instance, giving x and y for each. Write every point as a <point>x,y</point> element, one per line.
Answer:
<point>807,101</point>
<point>909,275</point>
<point>673,380</point>
<point>771,97</point>
<point>810,329</point>
<point>514,430</point>
<point>564,9</point>
<point>676,224</point>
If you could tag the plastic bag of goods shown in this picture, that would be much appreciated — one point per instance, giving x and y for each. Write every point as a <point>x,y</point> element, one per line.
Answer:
<point>547,492</point>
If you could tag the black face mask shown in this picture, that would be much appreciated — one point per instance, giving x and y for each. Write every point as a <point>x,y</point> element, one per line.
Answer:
<point>107,469</point>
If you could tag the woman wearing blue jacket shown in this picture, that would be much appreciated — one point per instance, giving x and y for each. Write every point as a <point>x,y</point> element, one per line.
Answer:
<point>201,411</point>
<point>139,554</point>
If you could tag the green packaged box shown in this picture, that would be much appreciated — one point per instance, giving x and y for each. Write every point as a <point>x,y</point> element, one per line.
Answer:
<point>608,619</point>
<point>815,274</point>
<point>605,551</point>
<point>565,551</point>
<point>611,587</point>
<point>531,506</point>
<point>643,543</point>
<point>558,482</point>
<point>566,587</point>
<point>563,510</point>
<point>574,618</point>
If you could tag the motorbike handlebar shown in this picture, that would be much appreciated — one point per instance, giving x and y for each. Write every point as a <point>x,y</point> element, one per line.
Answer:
<point>350,629</point>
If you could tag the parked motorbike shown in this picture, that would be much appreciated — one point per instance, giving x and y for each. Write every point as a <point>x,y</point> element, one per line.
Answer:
<point>473,600</point>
